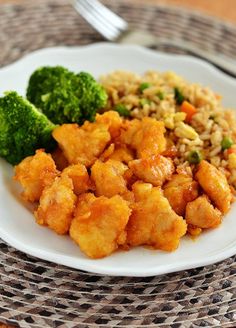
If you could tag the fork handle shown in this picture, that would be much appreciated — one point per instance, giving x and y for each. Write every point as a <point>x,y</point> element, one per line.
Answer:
<point>146,39</point>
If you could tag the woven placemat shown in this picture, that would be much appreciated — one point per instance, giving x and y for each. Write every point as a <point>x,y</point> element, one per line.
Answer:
<point>35,293</point>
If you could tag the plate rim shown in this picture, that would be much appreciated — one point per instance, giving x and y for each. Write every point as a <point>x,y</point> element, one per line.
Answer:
<point>65,260</point>
<point>131,47</point>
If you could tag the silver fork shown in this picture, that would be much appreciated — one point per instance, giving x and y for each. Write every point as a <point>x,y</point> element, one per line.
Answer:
<point>116,29</point>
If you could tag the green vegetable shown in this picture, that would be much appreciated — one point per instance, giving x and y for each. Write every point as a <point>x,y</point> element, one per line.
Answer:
<point>160,95</point>
<point>194,157</point>
<point>64,96</point>
<point>122,110</point>
<point>23,128</point>
<point>92,96</point>
<point>144,101</point>
<point>144,86</point>
<point>226,143</point>
<point>179,98</point>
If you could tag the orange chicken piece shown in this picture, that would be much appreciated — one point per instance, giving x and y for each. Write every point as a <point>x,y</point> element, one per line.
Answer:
<point>99,225</point>
<point>215,185</point>
<point>57,205</point>
<point>118,152</point>
<point>35,173</point>
<point>122,153</point>
<point>82,144</point>
<point>84,201</point>
<point>107,152</point>
<point>153,222</point>
<point>111,119</point>
<point>155,170</point>
<point>108,177</point>
<point>202,214</point>
<point>180,190</point>
<point>145,136</point>
<point>79,176</point>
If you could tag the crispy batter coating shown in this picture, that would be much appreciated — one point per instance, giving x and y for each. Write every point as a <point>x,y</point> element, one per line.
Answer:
<point>113,120</point>
<point>108,177</point>
<point>79,176</point>
<point>193,230</point>
<point>155,170</point>
<point>84,201</point>
<point>82,144</point>
<point>180,190</point>
<point>153,222</point>
<point>122,153</point>
<point>130,178</point>
<point>128,131</point>
<point>107,152</point>
<point>34,173</point>
<point>171,151</point>
<point>118,152</point>
<point>215,185</point>
<point>56,205</point>
<point>145,136</point>
<point>99,225</point>
<point>202,214</point>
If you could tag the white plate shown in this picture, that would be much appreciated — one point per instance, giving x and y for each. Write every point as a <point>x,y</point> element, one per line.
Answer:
<point>18,227</point>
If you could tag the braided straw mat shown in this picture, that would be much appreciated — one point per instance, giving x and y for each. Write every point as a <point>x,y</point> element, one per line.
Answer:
<point>35,293</point>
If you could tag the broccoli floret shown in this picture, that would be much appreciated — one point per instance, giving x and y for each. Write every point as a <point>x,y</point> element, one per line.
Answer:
<point>53,90</point>
<point>64,96</point>
<point>91,94</point>
<point>23,129</point>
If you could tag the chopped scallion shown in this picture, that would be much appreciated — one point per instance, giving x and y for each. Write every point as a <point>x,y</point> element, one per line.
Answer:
<point>179,97</point>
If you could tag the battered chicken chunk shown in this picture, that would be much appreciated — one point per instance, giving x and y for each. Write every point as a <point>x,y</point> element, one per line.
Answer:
<point>118,152</point>
<point>56,205</point>
<point>122,153</point>
<point>107,152</point>
<point>84,201</point>
<point>34,173</point>
<point>202,214</point>
<point>82,144</point>
<point>156,169</point>
<point>153,222</point>
<point>99,226</point>
<point>79,176</point>
<point>108,177</point>
<point>128,131</point>
<point>145,136</point>
<point>180,190</point>
<point>215,185</point>
<point>111,119</point>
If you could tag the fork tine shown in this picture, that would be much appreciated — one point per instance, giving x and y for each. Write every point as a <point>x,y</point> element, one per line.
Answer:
<point>107,14</point>
<point>109,32</point>
<point>97,14</point>
<point>100,18</point>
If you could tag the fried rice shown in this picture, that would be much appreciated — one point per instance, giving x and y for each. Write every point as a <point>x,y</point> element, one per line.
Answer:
<point>154,94</point>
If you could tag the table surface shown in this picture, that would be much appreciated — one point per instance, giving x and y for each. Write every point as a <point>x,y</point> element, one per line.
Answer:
<point>224,9</point>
